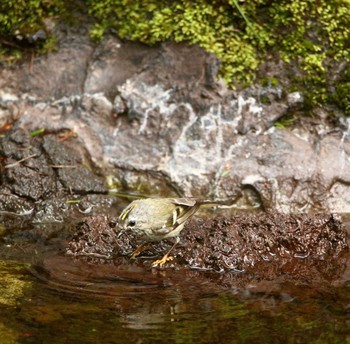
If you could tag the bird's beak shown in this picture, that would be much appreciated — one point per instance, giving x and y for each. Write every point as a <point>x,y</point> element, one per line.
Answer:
<point>120,233</point>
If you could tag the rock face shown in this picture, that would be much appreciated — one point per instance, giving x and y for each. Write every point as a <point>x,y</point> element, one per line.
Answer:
<point>41,175</point>
<point>158,119</point>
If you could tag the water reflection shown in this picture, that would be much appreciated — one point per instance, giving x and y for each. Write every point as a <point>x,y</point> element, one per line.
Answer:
<point>145,298</point>
<point>153,300</point>
<point>83,300</point>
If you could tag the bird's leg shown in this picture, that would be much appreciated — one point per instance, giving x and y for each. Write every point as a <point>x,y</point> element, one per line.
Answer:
<point>166,258</point>
<point>139,250</point>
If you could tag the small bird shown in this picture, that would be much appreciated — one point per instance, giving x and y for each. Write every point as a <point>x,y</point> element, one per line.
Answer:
<point>155,219</point>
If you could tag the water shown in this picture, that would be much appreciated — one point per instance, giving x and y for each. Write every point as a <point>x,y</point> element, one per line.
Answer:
<point>47,297</point>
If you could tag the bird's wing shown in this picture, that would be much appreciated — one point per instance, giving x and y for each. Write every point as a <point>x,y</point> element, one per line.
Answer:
<point>189,202</point>
<point>182,214</point>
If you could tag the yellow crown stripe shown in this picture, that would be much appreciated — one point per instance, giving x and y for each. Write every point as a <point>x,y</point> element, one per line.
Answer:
<point>127,211</point>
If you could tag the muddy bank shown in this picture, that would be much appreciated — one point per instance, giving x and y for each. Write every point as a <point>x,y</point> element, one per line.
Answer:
<point>263,256</point>
<point>241,243</point>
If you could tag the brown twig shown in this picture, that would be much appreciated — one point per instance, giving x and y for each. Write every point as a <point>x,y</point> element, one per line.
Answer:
<point>63,166</point>
<point>19,161</point>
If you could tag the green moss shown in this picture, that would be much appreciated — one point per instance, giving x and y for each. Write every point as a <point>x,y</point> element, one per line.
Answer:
<point>304,33</point>
<point>342,96</point>
<point>22,17</point>
<point>20,20</point>
<point>12,284</point>
<point>208,24</point>
<point>8,335</point>
<point>286,121</point>
<point>269,82</point>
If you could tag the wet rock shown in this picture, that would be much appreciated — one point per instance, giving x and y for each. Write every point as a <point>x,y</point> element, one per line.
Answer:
<point>65,160</point>
<point>40,174</point>
<point>55,75</point>
<point>31,178</point>
<point>295,99</point>
<point>112,63</point>
<point>159,119</point>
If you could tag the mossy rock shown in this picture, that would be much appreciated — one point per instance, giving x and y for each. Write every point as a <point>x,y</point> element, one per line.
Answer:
<point>242,34</point>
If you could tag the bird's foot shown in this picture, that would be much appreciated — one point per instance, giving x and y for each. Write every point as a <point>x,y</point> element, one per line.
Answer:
<point>161,262</point>
<point>139,250</point>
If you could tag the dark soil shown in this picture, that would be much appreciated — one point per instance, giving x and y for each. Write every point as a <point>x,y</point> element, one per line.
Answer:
<point>238,243</point>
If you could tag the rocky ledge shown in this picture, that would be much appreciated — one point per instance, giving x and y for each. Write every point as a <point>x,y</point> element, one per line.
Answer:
<point>157,119</point>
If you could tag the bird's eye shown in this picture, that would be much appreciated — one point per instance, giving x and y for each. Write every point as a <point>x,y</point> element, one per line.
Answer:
<point>131,223</point>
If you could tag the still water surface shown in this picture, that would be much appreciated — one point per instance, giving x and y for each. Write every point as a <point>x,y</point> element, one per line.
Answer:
<point>47,297</point>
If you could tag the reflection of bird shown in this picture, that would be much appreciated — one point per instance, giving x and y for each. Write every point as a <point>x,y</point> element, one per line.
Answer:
<point>155,219</point>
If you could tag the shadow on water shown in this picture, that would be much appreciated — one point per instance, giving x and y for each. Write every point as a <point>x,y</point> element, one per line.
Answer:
<point>60,299</point>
